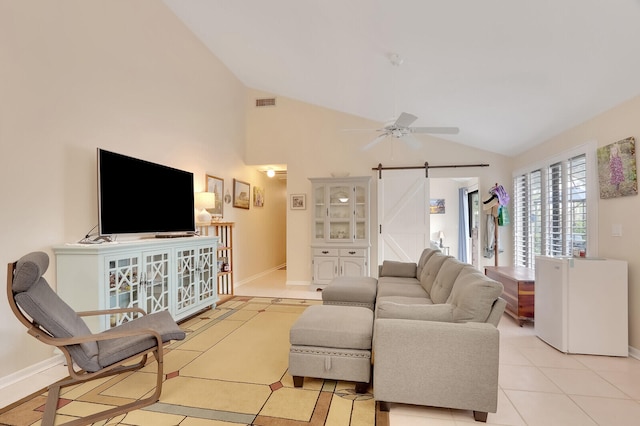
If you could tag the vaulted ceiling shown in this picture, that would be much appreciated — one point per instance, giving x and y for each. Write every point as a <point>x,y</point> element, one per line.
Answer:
<point>509,73</point>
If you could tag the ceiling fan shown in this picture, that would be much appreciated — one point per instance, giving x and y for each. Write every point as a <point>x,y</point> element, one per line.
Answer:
<point>401,129</point>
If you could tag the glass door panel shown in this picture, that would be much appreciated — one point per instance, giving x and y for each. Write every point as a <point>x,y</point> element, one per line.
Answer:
<point>360,212</point>
<point>320,212</point>
<point>340,213</point>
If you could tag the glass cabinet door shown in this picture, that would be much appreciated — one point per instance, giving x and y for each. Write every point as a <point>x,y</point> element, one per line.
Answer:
<point>187,283</point>
<point>156,282</point>
<point>124,287</point>
<point>340,213</point>
<point>319,212</point>
<point>207,267</point>
<point>360,212</point>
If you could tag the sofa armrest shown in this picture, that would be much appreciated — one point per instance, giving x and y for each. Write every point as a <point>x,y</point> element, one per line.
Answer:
<point>440,364</point>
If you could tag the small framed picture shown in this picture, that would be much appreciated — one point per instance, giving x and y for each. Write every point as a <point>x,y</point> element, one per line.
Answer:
<point>298,201</point>
<point>258,196</point>
<point>436,206</point>
<point>216,185</point>
<point>241,194</point>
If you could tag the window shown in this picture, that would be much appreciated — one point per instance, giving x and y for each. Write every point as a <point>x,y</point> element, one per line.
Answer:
<point>550,210</point>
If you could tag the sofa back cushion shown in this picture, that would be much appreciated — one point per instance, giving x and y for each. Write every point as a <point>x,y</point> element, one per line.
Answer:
<point>444,281</point>
<point>391,268</point>
<point>426,254</point>
<point>472,297</point>
<point>430,270</point>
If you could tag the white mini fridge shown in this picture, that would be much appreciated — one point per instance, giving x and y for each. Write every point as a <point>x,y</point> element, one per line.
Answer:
<point>581,305</point>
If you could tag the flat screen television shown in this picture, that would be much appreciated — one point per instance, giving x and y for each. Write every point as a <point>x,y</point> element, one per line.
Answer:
<point>137,196</point>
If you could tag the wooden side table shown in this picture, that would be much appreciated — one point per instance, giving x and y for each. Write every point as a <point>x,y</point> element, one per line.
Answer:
<point>519,286</point>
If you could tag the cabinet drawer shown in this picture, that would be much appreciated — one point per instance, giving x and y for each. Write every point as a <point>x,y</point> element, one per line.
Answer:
<point>325,252</point>
<point>353,252</point>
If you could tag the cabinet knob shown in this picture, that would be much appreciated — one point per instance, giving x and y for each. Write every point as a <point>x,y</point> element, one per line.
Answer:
<point>352,252</point>
<point>325,252</point>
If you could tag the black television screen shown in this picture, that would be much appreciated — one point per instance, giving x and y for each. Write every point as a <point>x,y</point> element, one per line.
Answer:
<point>137,196</point>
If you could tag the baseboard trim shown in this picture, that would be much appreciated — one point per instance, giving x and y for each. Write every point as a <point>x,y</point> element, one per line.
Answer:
<point>298,282</point>
<point>259,275</point>
<point>634,353</point>
<point>31,370</point>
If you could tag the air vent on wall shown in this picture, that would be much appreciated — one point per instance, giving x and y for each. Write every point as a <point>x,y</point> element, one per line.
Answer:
<point>265,102</point>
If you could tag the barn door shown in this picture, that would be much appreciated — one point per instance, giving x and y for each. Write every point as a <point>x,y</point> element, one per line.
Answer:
<point>403,215</point>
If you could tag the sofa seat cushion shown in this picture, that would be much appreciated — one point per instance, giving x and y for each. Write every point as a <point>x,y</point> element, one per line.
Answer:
<point>404,300</point>
<point>423,312</point>
<point>472,296</point>
<point>392,268</point>
<point>444,282</point>
<point>398,280</point>
<point>395,289</point>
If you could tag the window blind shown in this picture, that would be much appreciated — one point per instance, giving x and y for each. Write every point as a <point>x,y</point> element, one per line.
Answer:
<point>550,211</point>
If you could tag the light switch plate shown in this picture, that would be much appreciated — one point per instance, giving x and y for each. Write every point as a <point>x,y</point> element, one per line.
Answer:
<point>616,230</point>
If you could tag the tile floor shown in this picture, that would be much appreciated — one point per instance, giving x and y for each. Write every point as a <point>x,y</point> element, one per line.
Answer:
<point>538,384</point>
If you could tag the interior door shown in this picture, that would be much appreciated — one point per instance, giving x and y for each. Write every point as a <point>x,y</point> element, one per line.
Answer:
<point>403,215</point>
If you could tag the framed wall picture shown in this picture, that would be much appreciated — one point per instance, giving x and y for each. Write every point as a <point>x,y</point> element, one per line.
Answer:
<point>436,206</point>
<point>241,194</point>
<point>298,201</point>
<point>258,196</point>
<point>617,172</point>
<point>216,185</point>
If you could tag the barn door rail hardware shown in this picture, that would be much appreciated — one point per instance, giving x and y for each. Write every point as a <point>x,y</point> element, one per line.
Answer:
<point>426,167</point>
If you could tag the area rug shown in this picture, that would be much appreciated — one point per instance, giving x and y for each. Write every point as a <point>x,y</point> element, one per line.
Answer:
<point>230,370</point>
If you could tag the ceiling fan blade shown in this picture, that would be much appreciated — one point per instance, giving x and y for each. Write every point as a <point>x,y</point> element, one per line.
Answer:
<point>435,130</point>
<point>411,141</point>
<point>405,120</point>
<point>375,141</point>
<point>358,130</point>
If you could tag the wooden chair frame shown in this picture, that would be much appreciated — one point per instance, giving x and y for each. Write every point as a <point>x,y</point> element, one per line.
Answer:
<point>81,376</point>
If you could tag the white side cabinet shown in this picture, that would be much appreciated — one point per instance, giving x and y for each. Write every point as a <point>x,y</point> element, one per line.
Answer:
<point>340,228</point>
<point>174,274</point>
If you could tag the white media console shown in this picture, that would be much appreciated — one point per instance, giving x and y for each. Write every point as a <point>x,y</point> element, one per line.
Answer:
<point>174,274</point>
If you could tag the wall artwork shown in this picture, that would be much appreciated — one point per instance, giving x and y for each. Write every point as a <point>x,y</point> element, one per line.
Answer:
<point>436,206</point>
<point>258,196</point>
<point>298,201</point>
<point>216,185</point>
<point>617,169</point>
<point>241,194</point>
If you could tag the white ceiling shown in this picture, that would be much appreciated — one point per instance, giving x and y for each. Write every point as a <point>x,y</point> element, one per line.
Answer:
<point>509,73</point>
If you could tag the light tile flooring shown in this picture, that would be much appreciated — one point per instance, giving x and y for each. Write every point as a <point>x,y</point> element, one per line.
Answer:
<point>538,384</point>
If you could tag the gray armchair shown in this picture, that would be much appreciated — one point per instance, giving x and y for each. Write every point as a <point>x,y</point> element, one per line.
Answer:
<point>121,349</point>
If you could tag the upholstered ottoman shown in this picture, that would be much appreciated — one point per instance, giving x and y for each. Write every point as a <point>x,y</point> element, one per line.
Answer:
<point>351,291</point>
<point>332,342</point>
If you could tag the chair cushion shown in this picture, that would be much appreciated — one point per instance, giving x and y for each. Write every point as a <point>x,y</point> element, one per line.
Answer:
<point>38,300</point>
<point>116,350</point>
<point>392,268</point>
<point>472,296</point>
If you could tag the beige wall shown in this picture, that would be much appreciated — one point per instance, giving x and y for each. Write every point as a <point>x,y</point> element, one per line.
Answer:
<point>611,126</point>
<point>125,76</point>
<point>311,141</point>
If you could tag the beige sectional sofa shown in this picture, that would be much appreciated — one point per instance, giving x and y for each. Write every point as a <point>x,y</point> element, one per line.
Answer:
<point>436,340</point>
<point>435,336</point>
